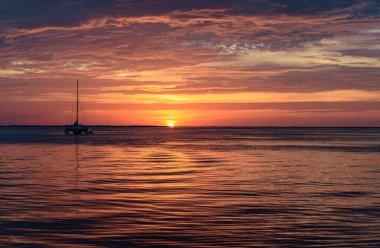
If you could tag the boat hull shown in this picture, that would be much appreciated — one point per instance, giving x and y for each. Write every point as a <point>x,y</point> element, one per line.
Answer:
<point>77,130</point>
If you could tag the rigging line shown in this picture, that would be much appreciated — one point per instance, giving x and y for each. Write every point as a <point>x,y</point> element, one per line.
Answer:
<point>77,104</point>
<point>72,112</point>
<point>85,116</point>
<point>72,109</point>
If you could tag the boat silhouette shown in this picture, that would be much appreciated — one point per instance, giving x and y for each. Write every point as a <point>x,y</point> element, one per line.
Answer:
<point>77,128</point>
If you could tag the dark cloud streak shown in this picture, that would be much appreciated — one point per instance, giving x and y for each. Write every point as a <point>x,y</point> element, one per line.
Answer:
<point>31,14</point>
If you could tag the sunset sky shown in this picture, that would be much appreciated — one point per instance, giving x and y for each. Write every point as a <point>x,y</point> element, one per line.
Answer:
<point>195,62</point>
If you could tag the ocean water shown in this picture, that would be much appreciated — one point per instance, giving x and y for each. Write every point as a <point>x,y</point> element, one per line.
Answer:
<point>190,187</point>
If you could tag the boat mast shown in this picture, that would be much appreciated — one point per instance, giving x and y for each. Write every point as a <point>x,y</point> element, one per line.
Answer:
<point>77,120</point>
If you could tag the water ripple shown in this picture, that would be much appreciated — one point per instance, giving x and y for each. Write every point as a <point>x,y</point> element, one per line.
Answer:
<point>190,187</point>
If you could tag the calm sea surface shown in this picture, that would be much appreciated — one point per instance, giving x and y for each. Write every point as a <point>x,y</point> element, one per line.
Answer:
<point>190,187</point>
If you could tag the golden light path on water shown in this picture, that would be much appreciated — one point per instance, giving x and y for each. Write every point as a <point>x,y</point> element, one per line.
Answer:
<point>216,187</point>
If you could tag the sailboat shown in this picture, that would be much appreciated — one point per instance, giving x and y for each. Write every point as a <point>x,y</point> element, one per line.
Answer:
<point>76,128</point>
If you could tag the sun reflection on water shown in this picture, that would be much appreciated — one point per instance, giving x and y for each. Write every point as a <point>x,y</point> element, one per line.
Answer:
<point>211,190</point>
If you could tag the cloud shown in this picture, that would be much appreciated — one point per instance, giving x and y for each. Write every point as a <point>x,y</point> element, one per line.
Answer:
<point>30,14</point>
<point>156,49</point>
<point>369,53</point>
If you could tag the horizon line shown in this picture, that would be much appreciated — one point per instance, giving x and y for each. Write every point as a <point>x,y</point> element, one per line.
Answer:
<point>217,126</point>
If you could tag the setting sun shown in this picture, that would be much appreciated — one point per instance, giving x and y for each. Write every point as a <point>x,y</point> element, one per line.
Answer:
<point>170,123</point>
<point>188,123</point>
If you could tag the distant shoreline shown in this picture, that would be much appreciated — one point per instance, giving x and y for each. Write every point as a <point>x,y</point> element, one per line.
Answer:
<point>122,126</point>
<point>86,125</point>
